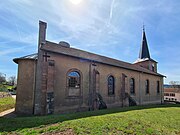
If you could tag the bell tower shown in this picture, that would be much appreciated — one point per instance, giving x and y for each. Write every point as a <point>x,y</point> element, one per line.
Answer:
<point>144,59</point>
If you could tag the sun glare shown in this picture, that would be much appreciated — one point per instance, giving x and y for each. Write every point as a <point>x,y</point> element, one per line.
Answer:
<point>75,2</point>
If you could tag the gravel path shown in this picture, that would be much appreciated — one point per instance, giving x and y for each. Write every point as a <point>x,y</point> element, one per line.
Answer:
<point>14,96</point>
<point>8,113</point>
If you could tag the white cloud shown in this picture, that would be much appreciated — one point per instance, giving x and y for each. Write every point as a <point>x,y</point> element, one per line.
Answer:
<point>12,50</point>
<point>97,26</point>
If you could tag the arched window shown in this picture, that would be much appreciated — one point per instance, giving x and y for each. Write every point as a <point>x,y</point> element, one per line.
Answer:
<point>158,89</point>
<point>111,85</point>
<point>74,79</point>
<point>73,83</point>
<point>147,86</point>
<point>132,86</point>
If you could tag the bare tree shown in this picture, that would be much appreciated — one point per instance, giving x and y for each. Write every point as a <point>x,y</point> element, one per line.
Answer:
<point>12,80</point>
<point>2,78</point>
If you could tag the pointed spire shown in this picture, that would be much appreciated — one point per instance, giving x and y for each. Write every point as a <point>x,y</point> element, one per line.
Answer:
<point>144,51</point>
<point>143,27</point>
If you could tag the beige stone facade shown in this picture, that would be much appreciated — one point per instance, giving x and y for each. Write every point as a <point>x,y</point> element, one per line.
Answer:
<point>26,79</point>
<point>62,79</point>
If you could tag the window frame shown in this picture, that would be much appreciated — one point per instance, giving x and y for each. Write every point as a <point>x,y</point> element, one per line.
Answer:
<point>132,86</point>
<point>153,67</point>
<point>147,87</point>
<point>68,88</point>
<point>74,81</point>
<point>113,86</point>
<point>158,87</point>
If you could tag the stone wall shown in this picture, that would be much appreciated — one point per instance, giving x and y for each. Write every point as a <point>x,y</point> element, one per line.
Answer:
<point>25,87</point>
<point>64,103</point>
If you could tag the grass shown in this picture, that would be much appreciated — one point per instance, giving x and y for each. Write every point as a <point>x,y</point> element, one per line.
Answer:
<point>5,87</point>
<point>2,87</point>
<point>6,103</point>
<point>163,119</point>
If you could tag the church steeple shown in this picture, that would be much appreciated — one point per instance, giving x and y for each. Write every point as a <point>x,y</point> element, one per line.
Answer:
<point>144,51</point>
<point>144,59</point>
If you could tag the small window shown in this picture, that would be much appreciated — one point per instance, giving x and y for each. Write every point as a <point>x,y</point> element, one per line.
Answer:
<point>153,69</point>
<point>158,89</point>
<point>111,85</point>
<point>51,62</point>
<point>132,86</point>
<point>74,79</point>
<point>147,86</point>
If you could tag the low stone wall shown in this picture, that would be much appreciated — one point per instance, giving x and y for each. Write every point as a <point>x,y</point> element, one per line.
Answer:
<point>4,94</point>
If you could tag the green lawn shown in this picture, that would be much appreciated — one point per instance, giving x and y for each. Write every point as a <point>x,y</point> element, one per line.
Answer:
<point>4,87</point>
<point>6,103</point>
<point>164,119</point>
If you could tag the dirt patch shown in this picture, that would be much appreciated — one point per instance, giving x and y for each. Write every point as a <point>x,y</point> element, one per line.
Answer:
<point>66,132</point>
<point>8,113</point>
<point>4,94</point>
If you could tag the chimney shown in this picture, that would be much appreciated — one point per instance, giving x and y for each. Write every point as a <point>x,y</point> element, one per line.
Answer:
<point>39,98</point>
<point>42,33</point>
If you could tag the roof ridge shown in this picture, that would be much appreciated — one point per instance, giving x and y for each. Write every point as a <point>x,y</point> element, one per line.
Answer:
<point>94,57</point>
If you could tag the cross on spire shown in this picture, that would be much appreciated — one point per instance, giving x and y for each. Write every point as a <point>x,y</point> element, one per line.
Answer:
<point>143,27</point>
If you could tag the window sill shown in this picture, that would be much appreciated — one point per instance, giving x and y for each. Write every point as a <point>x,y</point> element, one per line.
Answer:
<point>132,94</point>
<point>73,97</point>
<point>112,95</point>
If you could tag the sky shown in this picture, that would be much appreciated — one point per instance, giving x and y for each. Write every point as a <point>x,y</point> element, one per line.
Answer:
<point>111,28</point>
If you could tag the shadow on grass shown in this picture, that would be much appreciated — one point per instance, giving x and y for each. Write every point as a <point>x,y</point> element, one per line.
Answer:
<point>19,123</point>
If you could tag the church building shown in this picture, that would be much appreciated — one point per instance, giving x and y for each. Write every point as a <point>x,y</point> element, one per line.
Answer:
<point>62,79</point>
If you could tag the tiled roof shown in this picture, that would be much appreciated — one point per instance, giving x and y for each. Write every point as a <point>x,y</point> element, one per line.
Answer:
<point>173,90</point>
<point>56,48</point>
<point>31,56</point>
